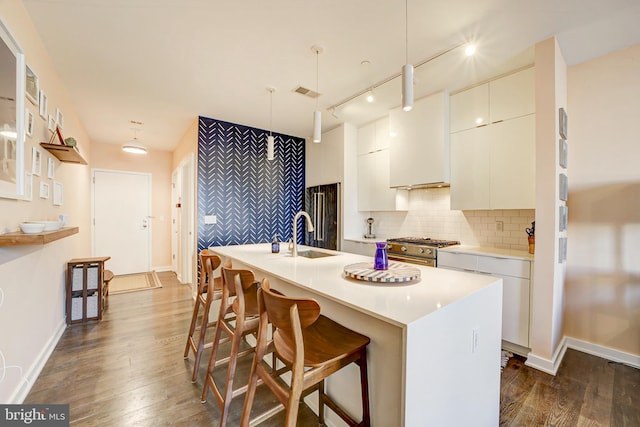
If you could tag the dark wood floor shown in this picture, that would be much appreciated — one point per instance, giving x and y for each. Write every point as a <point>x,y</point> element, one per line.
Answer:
<point>128,370</point>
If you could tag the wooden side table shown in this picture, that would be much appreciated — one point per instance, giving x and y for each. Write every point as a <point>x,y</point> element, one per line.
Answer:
<point>85,277</point>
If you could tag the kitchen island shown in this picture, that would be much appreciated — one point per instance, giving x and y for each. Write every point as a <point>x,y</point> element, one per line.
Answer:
<point>434,356</point>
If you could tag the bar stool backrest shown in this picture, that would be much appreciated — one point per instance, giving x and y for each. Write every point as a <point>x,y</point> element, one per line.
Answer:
<point>279,307</point>
<point>208,263</point>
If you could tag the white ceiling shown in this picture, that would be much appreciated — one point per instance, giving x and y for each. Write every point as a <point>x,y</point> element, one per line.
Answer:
<point>164,62</point>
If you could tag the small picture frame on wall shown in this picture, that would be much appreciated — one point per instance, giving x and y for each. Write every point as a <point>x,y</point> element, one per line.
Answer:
<point>563,218</point>
<point>562,148</point>
<point>562,122</point>
<point>29,122</point>
<point>36,161</point>
<point>59,118</point>
<point>51,168</point>
<point>28,187</point>
<point>57,193</point>
<point>44,105</point>
<point>32,85</point>
<point>52,123</point>
<point>44,190</point>
<point>564,190</point>
<point>562,249</point>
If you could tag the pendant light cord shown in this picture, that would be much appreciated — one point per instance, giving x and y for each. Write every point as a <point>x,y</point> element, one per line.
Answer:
<point>317,78</point>
<point>406,31</point>
<point>270,111</point>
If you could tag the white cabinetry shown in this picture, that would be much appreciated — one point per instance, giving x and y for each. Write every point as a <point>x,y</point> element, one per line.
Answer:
<point>374,192</point>
<point>512,96</point>
<point>470,108</point>
<point>419,144</point>
<point>516,284</point>
<point>493,166</point>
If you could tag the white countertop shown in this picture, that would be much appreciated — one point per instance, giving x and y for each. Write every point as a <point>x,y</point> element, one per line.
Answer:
<point>495,252</point>
<point>399,304</point>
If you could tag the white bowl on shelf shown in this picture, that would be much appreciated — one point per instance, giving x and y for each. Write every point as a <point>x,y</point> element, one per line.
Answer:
<point>31,227</point>
<point>48,225</point>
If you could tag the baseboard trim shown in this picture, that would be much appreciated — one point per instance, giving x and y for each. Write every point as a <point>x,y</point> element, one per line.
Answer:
<point>546,365</point>
<point>162,269</point>
<point>551,366</point>
<point>32,374</point>
<point>604,352</point>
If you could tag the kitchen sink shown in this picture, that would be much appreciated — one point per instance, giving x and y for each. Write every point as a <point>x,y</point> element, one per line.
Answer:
<point>314,254</point>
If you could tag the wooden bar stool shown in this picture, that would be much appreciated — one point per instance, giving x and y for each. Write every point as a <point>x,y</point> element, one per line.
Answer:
<point>108,277</point>
<point>313,346</point>
<point>209,290</point>
<point>237,318</point>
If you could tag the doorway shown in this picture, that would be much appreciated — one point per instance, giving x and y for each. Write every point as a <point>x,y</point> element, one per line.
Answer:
<point>183,241</point>
<point>121,225</point>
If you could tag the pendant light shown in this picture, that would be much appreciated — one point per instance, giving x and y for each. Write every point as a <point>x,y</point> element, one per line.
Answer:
<point>407,69</point>
<point>270,139</point>
<point>134,146</point>
<point>317,115</point>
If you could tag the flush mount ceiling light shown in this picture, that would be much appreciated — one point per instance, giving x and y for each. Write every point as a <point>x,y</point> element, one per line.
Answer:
<point>407,69</point>
<point>317,115</point>
<point>270,139</point>
<point>134,146</point>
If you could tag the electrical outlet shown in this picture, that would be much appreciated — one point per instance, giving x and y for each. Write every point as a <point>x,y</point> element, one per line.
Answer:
<point>210,219</point>
<point>499,225</point>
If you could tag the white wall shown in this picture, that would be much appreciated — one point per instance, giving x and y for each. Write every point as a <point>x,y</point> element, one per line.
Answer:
<point>32,280</point>
<point>548,289</point>
<point>603,267</point>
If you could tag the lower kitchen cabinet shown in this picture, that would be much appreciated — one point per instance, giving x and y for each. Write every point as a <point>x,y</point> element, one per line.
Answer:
<point>516,287</point>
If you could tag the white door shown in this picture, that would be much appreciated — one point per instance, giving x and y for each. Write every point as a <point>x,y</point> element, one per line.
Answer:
<point>186,221</point>
<point>122,220</point>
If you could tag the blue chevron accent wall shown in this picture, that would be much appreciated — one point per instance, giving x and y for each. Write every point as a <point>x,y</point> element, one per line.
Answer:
<point>252,198</point>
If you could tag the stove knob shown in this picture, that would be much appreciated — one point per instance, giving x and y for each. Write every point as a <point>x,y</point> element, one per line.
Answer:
<point>421,251</point>
<point>403,249</point>
<point>389,246</point>
<point>430,251</point>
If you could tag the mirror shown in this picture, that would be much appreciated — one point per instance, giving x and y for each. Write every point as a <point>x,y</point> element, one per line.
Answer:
<point>12,113</point>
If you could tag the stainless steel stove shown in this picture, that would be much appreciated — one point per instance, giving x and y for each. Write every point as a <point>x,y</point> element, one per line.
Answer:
<point>417,250</point>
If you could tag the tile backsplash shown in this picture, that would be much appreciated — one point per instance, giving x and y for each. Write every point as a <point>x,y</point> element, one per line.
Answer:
<point>429,215</point>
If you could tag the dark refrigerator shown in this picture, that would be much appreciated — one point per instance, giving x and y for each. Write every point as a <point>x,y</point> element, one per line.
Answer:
<point>322,203</point>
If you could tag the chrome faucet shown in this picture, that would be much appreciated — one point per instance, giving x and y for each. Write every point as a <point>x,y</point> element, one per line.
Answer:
<point>294,251</point>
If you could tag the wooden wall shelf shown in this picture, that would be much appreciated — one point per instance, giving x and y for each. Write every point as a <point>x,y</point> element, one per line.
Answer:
<point>64,153</point>
<point>19,238</point>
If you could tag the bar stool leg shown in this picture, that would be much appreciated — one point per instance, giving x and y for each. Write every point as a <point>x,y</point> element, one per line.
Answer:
<point>364,385</point>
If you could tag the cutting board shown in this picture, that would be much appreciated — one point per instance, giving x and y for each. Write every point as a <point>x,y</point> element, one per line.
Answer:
<point>396,273</point>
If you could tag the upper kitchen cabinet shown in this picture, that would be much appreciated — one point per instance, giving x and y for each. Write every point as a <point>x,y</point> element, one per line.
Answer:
<point>493,165</point>
<point>373,136</point>
<point>419,143</point>
<point>498,100</point>
<point>512,96</point>
<point>470,108</point>
<point>374,192</point>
